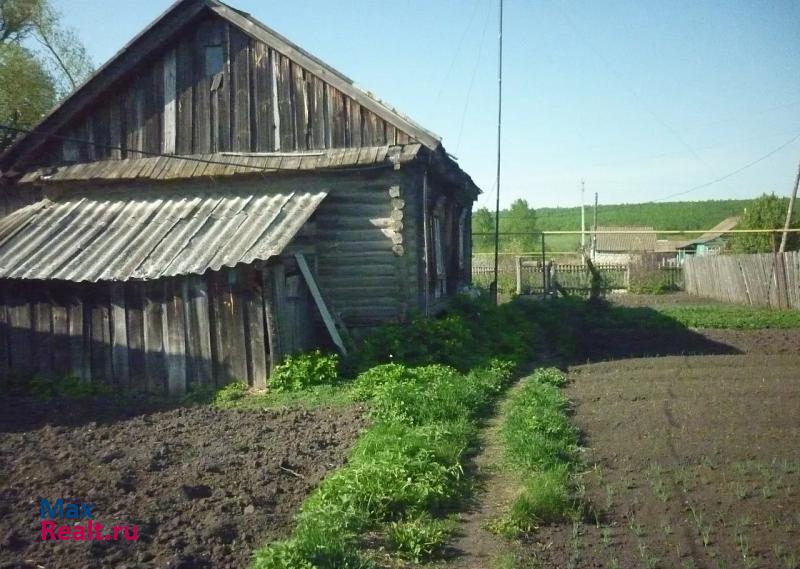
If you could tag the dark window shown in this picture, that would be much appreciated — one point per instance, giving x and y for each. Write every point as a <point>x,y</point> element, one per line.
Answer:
<point>214,60</point>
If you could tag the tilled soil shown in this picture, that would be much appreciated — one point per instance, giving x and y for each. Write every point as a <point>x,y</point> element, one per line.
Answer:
<point>203,486</point>
<point>692,461</point>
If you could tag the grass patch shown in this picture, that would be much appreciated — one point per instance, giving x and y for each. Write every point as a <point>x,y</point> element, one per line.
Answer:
<point>733,317</point>
<point>541,445</point>
<point>403,474</point>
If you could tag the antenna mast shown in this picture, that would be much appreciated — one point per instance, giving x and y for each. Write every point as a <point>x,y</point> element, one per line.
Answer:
<point>497,181</point>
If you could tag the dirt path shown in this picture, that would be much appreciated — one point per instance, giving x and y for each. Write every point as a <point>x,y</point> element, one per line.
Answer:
<point>475,547</point>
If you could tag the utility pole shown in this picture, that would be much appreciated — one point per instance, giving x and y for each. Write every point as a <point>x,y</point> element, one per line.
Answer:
<point>583,216</point>
<point>499,127</point>
<point>594,227</point>
<point>788,223</point>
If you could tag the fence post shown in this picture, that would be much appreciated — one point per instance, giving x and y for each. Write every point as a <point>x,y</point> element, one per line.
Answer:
<point>518,265</point>
<point>780,281</point>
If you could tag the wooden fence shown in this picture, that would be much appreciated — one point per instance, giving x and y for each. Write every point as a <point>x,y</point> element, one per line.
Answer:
<point>766,279</point>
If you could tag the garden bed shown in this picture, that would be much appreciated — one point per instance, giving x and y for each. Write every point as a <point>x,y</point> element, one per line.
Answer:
<point>205,487</point>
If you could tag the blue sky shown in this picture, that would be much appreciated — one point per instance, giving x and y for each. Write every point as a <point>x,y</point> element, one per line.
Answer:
<point>643,100</point>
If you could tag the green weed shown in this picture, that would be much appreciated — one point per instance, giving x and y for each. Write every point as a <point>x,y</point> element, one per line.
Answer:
<point>301,371</point>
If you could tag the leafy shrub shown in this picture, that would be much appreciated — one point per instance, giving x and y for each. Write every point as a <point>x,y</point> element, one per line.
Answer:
<point>551,376</point>
<point>301,371</point>
<point>231,392</point>
<point>368,382</point>
<point>468,335</point>
<point>420,536</point>
<point>69,387</point>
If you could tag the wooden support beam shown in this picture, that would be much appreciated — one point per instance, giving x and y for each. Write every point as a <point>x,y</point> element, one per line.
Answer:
<point>327,317</point>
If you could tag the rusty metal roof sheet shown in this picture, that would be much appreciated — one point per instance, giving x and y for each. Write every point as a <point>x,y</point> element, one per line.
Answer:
<point>223,165</point>
<point>144,232</point>
<point>626,242</point>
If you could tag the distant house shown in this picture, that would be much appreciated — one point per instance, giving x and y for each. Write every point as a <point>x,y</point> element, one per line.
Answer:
<point>213,199</point>
<point>712,242</point>
<point>622,248</point>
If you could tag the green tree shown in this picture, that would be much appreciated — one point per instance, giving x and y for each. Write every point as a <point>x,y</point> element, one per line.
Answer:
<point>26,90</point>
<point>18,19</point>
<point>766,212</point>
<point>41,61</point>
<point>483,222</point>
<point>520,218</point>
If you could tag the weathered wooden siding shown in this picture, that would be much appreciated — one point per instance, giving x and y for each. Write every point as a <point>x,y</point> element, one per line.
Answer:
<point>161,336</point>
<point>216,89</point>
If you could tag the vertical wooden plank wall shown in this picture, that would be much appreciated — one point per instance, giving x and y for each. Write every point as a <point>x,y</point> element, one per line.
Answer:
<point>766,279</point>
<point>163,337</point>
<point>261,101</point>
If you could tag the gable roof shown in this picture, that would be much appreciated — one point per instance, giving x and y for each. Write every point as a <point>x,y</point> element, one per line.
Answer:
<point>158,33</point>
<point>626,242</point>
<point>714,233</point>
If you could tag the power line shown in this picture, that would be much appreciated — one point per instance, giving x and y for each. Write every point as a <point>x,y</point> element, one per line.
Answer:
<point>149,154</point>
<point>455,55</point>
<point>731,174</point>
<point>472,81</point>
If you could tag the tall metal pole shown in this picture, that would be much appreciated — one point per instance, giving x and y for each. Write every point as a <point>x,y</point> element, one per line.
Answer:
<point>499,130</point>
<point>594,227</point>
<point>583,216</point>
<point>788,223</point>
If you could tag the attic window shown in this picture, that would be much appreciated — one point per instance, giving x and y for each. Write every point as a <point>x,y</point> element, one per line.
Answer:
<point>215,60</point>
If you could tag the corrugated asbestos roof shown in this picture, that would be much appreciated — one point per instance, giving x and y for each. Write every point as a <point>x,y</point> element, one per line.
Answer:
<point>626,242</point>
<point>126,233</point>
<point>223,164</point>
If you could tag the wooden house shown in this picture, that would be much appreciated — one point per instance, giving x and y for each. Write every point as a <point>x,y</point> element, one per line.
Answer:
<point>624,247</point>
<point>211,199</point>
<point>712,242</point>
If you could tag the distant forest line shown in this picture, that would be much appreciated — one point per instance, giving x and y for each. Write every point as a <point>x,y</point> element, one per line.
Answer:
<point>519,217</point>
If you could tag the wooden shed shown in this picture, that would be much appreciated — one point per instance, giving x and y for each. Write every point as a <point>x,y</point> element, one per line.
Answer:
<point>212,199</point>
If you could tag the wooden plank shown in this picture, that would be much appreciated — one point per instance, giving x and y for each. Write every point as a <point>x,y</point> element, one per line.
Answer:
<point>223,97</point>
<point>327,317</point>
<point>288,129</point>
<point>300,106</point>
<point>275,99</point>
<point>134,312</point>
<point>240,90</point>
<point>60,330</point>
<point>100,334</point>
<point>337,118</point>
<point>228,343</point>
<point>201,101</point>
<point>134,119</point>
<point>79,356</point>
<point>119,336</point>
<point>42,331</point>
<point>153,87</point>
<point>170,112</point>
<point>174,334</point>
<point>198,331</point>
<point>100,133</point>
<point>316,116</point>
<point>155,364</point>
<point>5,338</point>
<point>256,344</point>
<point>271,318</point>
<point>116,128</point>
<point>184,71</point>
<point>261,97</point>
